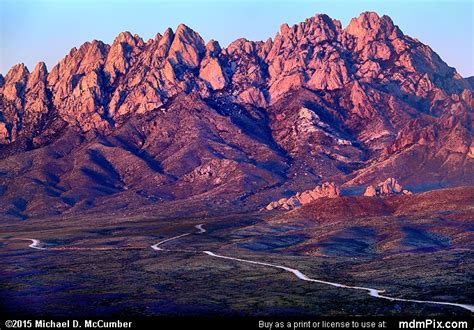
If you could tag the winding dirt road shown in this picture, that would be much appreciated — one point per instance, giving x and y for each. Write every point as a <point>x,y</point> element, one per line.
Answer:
<point>36,244</point>
<point>370,291</point>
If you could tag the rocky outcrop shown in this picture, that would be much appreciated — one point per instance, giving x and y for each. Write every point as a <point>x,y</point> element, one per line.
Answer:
<point>253,96</point>
<point>96,86</point>
<point>326,190</point>
<point>118,58</point>
<point>187,48</point>
<point>212,72</point>
<point>4,133</point>
<point>386,188</point>
<point>25,103</point>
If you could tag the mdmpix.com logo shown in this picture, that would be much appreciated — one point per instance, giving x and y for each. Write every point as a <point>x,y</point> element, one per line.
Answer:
<point>432,324</point>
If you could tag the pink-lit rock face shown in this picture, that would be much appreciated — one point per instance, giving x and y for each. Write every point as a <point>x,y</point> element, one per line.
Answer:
<point>316,103</point>
<point>327,189</point>
<point>211,72</point>
<point>118,58</point>
<point>253,96</point>
<point>187,47</point>
<point>4,133</point>
<point>386,188</point>
<point>133,76</point>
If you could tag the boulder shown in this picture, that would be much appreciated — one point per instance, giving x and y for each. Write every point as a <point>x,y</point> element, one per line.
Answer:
<point>386,188</point>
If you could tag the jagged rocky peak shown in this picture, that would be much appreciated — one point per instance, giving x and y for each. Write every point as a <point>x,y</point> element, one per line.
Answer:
<point>119,54</point>
<point>211,70</point>
<point>127,38</point>
<point>349,105</point>
<point>167,37</point>
<point>39,74</point>
<point>90,57</point>
<point>241,46</point>
<point>370,26</point>
<point>318,28</point>
<point>24,100</point>
<point>17,73</point>
<point>164,43</point>
<point>326,190</point>
<point>375,37</point>
<point>15,82</point>
<point>36,98</point>
<point>187,47</point>
<point>386,188</point>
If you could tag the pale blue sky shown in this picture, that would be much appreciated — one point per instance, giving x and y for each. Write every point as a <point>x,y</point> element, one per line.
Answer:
<point>35,30</point>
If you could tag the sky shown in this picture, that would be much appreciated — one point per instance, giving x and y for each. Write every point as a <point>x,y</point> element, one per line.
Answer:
<point>45,30</point>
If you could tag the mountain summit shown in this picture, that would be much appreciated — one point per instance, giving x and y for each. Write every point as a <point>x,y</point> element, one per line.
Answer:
<point>176,121</point>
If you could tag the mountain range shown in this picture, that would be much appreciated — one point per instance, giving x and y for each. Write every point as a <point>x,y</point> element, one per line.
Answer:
<point>179,124</point>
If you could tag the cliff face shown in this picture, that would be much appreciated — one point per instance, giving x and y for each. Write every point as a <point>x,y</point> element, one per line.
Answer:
<point>173,118</point>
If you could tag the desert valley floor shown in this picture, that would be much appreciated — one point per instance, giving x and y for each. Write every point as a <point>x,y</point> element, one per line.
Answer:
<point>149,266</point>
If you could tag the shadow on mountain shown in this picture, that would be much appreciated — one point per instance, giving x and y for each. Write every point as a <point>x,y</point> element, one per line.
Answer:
<point>351,242</point>
<point>152,163</point>
<point>108,179</point>
<point>421,240</point>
